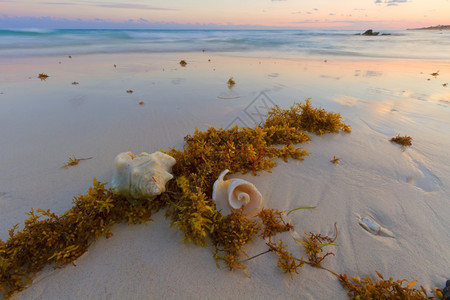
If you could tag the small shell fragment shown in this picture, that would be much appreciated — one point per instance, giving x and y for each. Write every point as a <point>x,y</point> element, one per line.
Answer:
<point>370,225</point>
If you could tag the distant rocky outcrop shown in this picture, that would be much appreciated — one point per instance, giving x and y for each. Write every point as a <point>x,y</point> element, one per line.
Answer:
<point>438,27</point>
<point>370,32</point>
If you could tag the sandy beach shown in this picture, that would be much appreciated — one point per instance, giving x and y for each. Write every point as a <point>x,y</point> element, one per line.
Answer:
<point>405,190</point>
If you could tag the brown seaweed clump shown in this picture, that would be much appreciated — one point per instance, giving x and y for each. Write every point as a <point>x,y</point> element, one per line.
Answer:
<point>435,74</point>
<point>314,243</point>
<point>273,222</point>
<point>231,82</point>
<point>230,236</point>
<point>303,116</point>
<point>402,140</point>
<point>42,76</point>
<point>286,262</point>
<point>367,289</point>
<point>183,63</point>
<point>335,160</point>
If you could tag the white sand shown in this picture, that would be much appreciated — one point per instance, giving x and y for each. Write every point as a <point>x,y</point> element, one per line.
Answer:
<point>406,191</point>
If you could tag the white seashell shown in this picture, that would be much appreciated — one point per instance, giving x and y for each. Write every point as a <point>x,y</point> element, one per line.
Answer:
<point>370,225</point>
<point>235,194</point>
<point>141,177</point>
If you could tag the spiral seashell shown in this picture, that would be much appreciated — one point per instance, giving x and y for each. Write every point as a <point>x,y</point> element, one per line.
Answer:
<point>234,194</point>
<point>143,176</point>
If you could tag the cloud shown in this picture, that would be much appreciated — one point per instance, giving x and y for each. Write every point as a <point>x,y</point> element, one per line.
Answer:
<point>129,6</point>
<point>122,5</point>
<point>56,3</point>
<point>390,2</point>
<point>370,73</point>
<point>354,24</point>
<point>98,23</point>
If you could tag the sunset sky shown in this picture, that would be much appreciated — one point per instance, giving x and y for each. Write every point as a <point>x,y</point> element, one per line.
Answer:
<point>326,14</point>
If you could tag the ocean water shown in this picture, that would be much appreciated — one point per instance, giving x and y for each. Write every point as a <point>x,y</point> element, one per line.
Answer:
<point>406,44</point>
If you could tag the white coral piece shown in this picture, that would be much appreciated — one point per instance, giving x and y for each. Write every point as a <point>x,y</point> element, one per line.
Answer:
<point>234,194</point>
<point>141,177</point>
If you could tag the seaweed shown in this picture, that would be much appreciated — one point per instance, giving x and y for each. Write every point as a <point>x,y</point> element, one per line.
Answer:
<point>75,83</point>
<point>191,211</point>
<point>304,117</point>
<point>43,76</point>
<point>283,134</point>
<point>183,63</point>
<point>231,82</point>
<point>298,208</point>
<point>286,262</point>
<point>313,244</point>
<point>335,160</point>
<point>435,74</point>
<point>273,222</point>
<point>206,154</point>
<point>130,91</point>
<point>367,289</point>
<point>73,161</point>
<point>230,236</point>
<point>402,140</point>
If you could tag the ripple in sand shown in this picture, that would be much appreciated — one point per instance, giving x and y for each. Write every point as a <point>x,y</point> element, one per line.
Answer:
<point>425,179</point>
<point>229,95</point>
<point>273,75</point>
<point>4,197</point>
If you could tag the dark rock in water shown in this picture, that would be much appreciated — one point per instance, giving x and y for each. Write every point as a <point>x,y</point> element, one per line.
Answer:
<point>370,32</point>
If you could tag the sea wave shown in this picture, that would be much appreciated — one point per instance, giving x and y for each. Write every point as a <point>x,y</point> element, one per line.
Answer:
<point>26,31</point>
<point>429,45</point>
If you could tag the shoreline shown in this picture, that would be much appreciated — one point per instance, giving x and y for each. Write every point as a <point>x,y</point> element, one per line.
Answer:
<point>438,27</point>
<point>265,55</point>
